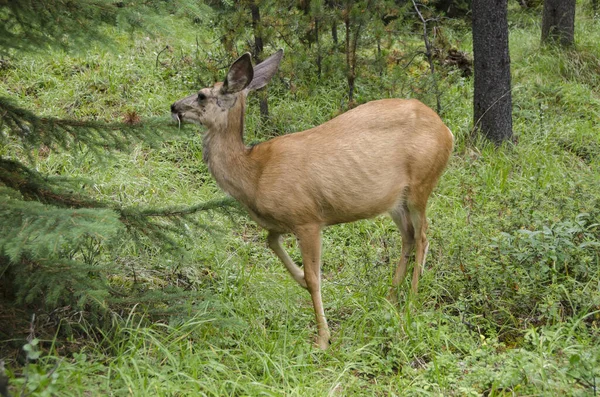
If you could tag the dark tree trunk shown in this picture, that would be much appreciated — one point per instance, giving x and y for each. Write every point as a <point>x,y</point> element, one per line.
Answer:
<point>452,8</point>
<point>334,35</point>
<point>350,59</point>
<point>354,27</point>
<point>331,4</point>
<point>318,47</point>
<point>304,6</point>
<point>258,54</point>
<point>258,40</point>
<point>492,101</point>
<point>378,58</point>
<point>558,21</point>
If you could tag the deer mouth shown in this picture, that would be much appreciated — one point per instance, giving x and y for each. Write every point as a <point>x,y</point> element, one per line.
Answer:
<point>177,117</point>
<point>175,114</point>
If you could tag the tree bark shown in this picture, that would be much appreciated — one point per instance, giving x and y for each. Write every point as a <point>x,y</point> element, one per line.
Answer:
<point>334,35</point>
<point>331,5</point>
<point>350,56</point>
<point>317,39</point>
<point>558,22</point>
<point>258,53</point>
<point>354,27</point>
<point>492,101</point>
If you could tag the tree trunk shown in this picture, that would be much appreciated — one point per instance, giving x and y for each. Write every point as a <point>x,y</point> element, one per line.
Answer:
<point>318,47</point>
<point>258,40</point>
<point>258,53</point>
<point>492,101</point>
<point>354,25</point>
<point>558,21</point>
<point>334,35</point>
<point>350,58</point>
<point>331,5</point>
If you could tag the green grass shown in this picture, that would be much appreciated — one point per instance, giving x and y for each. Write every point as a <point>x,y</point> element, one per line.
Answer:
<point>509,303</point>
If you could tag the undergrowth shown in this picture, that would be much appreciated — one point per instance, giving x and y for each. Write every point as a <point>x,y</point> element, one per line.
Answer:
<point>509,302</point>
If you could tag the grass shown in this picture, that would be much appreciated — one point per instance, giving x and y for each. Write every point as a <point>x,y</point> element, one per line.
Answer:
<point>509,303</point>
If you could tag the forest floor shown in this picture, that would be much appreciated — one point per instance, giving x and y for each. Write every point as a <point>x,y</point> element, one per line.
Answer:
<point>509,303</point>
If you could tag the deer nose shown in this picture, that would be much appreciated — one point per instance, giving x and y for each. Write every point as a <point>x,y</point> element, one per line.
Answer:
<point>173,109</point>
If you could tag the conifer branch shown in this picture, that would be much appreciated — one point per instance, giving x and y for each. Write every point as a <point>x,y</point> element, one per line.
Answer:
<point>56,240</point>
<point>33,130</point>
<point>33,186</point>
<point>180,211</point>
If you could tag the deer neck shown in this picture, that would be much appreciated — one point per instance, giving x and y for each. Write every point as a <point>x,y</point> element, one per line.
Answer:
<point>227,158</point>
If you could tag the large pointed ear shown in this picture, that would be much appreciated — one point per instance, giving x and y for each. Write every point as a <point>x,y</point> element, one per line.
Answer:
<point>239,76</point>
<point>264,71</point>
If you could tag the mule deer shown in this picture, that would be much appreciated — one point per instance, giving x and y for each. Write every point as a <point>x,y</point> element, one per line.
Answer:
<point>382,156</point>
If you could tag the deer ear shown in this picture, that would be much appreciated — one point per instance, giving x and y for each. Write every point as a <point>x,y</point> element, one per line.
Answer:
<point>264,71</point>
<point>239,76</point>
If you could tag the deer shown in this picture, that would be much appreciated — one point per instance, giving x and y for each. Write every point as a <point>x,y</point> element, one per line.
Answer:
<point>382,156</point>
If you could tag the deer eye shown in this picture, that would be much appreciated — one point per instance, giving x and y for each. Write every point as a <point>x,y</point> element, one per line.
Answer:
<point>201,97</point>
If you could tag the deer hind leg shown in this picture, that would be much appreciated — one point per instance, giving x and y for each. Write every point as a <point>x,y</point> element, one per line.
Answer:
<point>309,239</point>
<point>419,221</point>
<point>401,217</point>
<point>274,240</point>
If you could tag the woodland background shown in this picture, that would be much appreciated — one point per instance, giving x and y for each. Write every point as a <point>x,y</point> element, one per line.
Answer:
<point>124,270</point>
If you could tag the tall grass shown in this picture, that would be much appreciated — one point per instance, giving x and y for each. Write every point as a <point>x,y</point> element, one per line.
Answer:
<point>509,302</point>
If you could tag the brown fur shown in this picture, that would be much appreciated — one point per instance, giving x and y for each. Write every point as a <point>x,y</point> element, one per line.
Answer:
<point>383,156</point>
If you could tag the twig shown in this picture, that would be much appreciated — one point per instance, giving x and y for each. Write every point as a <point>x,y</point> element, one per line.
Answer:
<point>413,58</point>
<point>429,56</point>
<point>160,52</point>
<point>3,381</point>
<point>175,211</point>
<point>31,335</point>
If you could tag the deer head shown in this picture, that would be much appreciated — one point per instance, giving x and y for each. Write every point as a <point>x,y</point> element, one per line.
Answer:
<point>210,106</point>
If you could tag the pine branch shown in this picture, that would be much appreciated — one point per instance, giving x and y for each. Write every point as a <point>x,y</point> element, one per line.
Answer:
<point>29,24</point>
<point>60,281</point>
<point>33,186</point>
<point>47,229</point>
<point>57,242</point>
<point>35,24</point>
<point>155,224</point>
<point>33,229</point>
<point>33,130</point>
<point>180,211</point>
<point>161,224</point>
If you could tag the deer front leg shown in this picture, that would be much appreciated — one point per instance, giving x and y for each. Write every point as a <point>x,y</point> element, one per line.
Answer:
<point>309,238</point>
<point>274,240</point>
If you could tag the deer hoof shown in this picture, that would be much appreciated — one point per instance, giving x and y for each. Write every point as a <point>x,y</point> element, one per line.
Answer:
<point>392,296</point>
<point>323,343</point>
